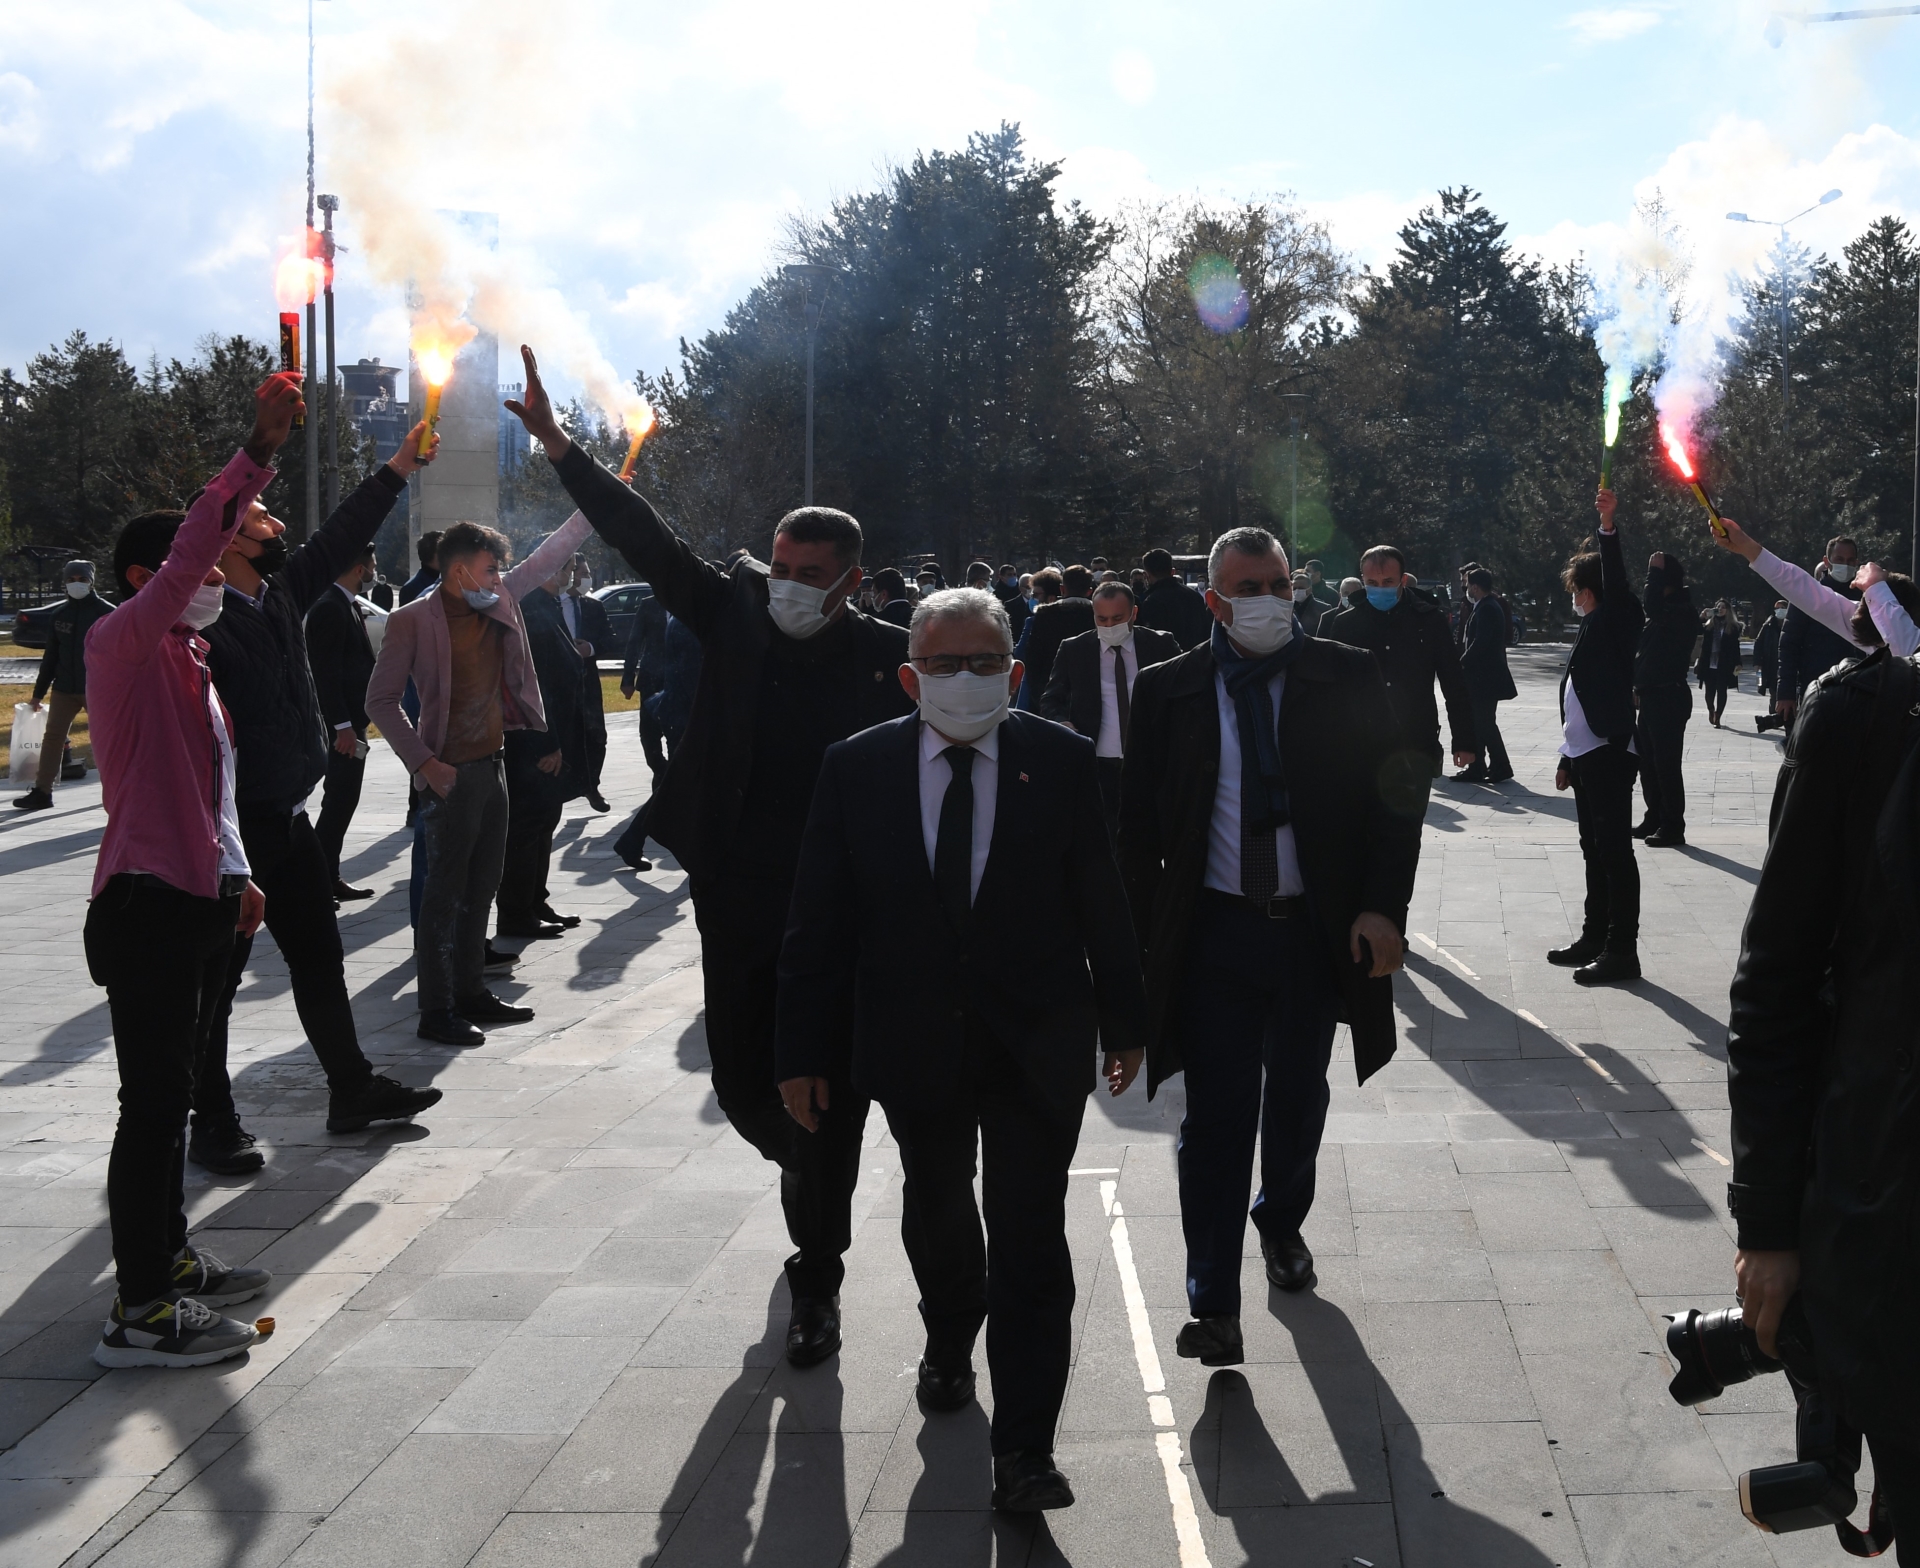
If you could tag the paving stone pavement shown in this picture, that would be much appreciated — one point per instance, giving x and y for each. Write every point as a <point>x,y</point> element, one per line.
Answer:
<point>544,1325</point>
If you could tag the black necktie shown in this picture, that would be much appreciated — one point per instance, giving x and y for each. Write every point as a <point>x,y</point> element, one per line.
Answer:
<point>953,846</point>
<point>1121,700</point>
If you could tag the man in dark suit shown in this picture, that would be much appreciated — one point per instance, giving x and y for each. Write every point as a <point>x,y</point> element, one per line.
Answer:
<point>1807,648</point>
<point>341,655</point>
<point>955,868</point>
<point>1269,849</point>
<point>429,572</point>
<point>890,589</point>
<point>545,768</point>
<point>1169,605</point>
<point>1006,588</point>
<point>789,666</point>
<point>1067,614</point>
<point>592,634</point>
<point>1483,661</point>
<point>1093,679</point>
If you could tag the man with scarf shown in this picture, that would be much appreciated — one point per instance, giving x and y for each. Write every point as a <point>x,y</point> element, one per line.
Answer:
<point>1269,848</point>
<point>1663,701</point>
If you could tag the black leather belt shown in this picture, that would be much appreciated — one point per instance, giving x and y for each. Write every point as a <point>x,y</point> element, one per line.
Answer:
<point>1272,908</point>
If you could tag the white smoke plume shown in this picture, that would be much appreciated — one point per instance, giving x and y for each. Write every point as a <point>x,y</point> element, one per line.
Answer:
<point>458,105</point>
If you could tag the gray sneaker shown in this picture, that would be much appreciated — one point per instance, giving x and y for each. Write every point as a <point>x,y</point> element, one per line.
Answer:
<point>209,1281</point>
<point>172,1331</point>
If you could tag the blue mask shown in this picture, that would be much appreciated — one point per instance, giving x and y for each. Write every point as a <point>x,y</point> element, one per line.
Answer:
<point>1383,598</point>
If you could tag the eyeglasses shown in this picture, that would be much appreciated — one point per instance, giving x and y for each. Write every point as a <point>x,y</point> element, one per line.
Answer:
<point>954,663</point>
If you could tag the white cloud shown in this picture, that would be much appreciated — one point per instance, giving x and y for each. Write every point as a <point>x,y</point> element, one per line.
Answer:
<point>1133,77</point>
<point>1612,25</point>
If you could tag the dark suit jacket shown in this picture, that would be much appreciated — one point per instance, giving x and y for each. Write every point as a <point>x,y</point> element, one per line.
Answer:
<point>1358,838</point>
<point>1414,647</point>
<point>1049,626</point>
<point>342,658</point>
<point>1051,966</point>
<point>1728,638</point>
<point>591,617</point>
<point>1601,663</point>
<point>1483,658</point>
<point>1807,648</point>
<point>696,805</point>
<point>1073,695</point>
<point>1171,606</point>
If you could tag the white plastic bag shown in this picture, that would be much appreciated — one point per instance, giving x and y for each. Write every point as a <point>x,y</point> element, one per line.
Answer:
<point>29,729</point>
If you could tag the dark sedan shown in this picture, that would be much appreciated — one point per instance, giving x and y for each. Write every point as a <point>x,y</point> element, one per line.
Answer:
<point>622,602</point>
<point>32,628</point>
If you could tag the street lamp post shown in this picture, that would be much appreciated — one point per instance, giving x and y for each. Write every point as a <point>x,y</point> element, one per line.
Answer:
<point>329,205</point>
<point>811,276</point>
<point>1785,310</point>
<point>1293,481</point>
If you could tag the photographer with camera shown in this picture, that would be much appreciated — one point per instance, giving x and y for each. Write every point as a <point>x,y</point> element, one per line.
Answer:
<point>1826,1109</point>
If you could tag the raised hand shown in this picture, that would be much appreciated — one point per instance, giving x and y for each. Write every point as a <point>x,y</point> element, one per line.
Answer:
<point>535,410</point>
<point>408,459</point>
<point>275,403</point>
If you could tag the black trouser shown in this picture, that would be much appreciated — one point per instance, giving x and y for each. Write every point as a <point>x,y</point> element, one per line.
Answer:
<point>1896,1477</point>
<point>1603,795</point>
<point>652,736</point>
<point>1107,771</point>
<point>162,955</point>
<point>1493,761</point>
<point>464,836</point>
<point>741,926</point>
<point>1020,1282</point>
<point>1660,731</point>
<point>533,812</point>
<point>290,869</point>
<point>341,798</point>
<point>1257,996</point>
<point>593,723</point>
<point>1717,687</point>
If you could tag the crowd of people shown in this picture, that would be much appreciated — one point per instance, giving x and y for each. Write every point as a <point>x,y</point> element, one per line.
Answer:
<point>1187,820</point>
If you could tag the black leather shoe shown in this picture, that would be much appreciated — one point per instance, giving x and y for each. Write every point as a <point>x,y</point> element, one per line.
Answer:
<point>449,1028</point>
<point>226,1150</point>
<point>1026,1482</point>
<point>538,930</point>
<point>1469,777</point>
<point>1666,840</point>
<point>1646,829</point>
<point>33,800</point>
<point>813,1332</point>
<point>1289,1263</point>
<point>486,1008</point>
<point>346,895</point>
<point>1500,778</point>
<point>1584,951</point>
<point>497,962</point>
<point>1609,969</point>
<point>1212,1341</point>
<point>379,1099</point>
<point>549,913</point>
<point>598,801</point>
<point>945,1388</point>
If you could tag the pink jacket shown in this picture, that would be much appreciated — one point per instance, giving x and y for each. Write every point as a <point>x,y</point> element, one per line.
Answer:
<point>147,694</point>
<point>416,644</point>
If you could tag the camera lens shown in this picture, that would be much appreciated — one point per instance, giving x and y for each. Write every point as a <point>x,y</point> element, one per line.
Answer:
<point>1712,1350</point>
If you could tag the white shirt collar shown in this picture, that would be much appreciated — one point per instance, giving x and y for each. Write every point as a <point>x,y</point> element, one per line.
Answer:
<point>932,743</point>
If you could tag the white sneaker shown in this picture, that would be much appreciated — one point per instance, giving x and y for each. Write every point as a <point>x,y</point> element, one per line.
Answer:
<point>172,1331</point>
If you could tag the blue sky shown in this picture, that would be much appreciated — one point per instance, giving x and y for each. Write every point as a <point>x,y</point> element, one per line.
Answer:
<point>643,158</point>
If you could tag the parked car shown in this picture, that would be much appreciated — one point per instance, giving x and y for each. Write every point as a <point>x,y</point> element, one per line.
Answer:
<point>622,602</point>
<point>32,628</point>
<point>375,618</point>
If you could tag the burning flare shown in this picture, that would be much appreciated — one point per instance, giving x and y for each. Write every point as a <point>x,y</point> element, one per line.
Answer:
<point>433,349</point>
<point>1677,450</point>
<point>300,274</point>
<point>638,419</point>
<point>1619,387</point>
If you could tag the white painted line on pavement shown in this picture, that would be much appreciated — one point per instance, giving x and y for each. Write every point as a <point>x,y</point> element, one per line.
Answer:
<point>1427,941</point>
<point>1712,1154</point>
<point>1097,1170</point>
<point>1522,1012</point>
<point>1186,1523</point>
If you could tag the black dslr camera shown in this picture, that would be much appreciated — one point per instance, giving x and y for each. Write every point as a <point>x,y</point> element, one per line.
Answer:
<point>1716,1349</point>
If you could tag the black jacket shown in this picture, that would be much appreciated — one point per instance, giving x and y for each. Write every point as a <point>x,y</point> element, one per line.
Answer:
<point>1051,965</point>
<point>898,612</point>
<point>1414,648</point>
<point>1483,656</point>
<point>1728,639</point>
<point>1015,604</point>
<point>1672,627</point>
<point>1821,1050</point>
<point>259,654</point>
<point>419,583</point>
<point>1807,648</point>
<point>1073,695</point>
<point>1357,829</point>
<point>1181,612</point>
<point>1601,663</point>
<point>1766,654</point>
<point>1051,625</point>
<point>341,656</point>
<point>696,806</point>
<point>563,675</point>
<point>590,615</point>
<point>646,646</point>
<point>63,666</point>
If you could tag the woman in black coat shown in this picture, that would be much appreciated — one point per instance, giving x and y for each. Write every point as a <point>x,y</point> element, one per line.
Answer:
<point>1718,667</point>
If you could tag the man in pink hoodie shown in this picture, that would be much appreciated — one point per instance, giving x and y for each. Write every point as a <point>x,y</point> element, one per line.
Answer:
<point>171,888</point>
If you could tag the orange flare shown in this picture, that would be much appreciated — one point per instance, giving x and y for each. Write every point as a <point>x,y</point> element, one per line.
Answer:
<point>639,422</point>
<point>1677,450</point>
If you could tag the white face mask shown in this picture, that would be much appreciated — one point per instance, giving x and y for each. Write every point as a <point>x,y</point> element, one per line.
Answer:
<point>585,585</point>
<point>1580,609</point>
<point>1115,636</point>
<point>79,590</point>
<point>795,607</point>
<point>1262,622</point>
<point>965,706</point>
<point>203,609</point>
<point>1840,573</point>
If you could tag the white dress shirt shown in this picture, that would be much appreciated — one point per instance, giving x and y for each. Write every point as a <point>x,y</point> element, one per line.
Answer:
<point>1834,610</point>
<point>1107,743</point>
<point>1223,833</point>
<point>233,855</point>
<point>936,773</point>
<point>570,613</point>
